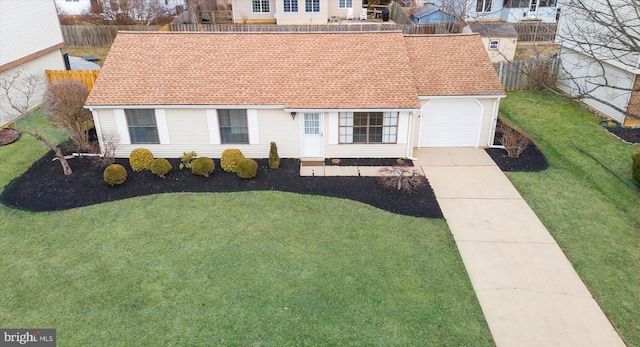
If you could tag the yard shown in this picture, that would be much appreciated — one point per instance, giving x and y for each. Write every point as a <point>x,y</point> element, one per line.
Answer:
<point>592,214</point>
<point>246,268</point>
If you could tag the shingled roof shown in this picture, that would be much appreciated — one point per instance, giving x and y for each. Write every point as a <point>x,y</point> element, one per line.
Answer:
<point>341,70</point>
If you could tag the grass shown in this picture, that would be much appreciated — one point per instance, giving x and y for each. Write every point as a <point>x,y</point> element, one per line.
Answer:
<point>592,214</point>
<point>234,269</point>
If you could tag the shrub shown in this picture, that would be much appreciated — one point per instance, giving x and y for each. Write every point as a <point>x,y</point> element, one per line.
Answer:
<point>186,158</point>
<point>274,158</point>
<point>230,158</point>
<point>202,166</point>
<point>636,168</point>
<point>514,142</point>
<point>404,178</point>
<point>115,174</point>
<point>247,168</point>
<point>140,159</point>
<point>161,167</point>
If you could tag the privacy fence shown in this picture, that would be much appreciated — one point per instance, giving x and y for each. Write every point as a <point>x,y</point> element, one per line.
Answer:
<point>536,31</point>
<point>88,77</point>
<point>406,28</point>
<point>98,35</point>
<point>531,74</point>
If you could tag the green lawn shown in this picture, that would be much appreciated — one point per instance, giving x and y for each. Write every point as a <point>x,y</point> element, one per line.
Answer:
<point>245,269</point>
<point>591,213</point>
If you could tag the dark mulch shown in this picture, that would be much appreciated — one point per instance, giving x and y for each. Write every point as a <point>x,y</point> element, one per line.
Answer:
<point>366,162</point>
<point>631,135</point>
<point>45,188</point>
<point>531,159</point>
<point>8,135</point>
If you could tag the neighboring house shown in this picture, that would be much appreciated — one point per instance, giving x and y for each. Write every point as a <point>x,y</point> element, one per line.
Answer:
<point>511,11</point>
<point>500,39</point>
<point>317,95</point>
<point>429,13</point>
<point>610,84</point>
<point>292,11</point>
<point>28,47</point>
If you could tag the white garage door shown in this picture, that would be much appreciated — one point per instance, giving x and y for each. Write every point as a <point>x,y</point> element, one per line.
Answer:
<point>450,123</point>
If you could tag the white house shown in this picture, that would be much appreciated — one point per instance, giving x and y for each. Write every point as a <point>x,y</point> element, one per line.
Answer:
<point>317,95</point>
<point>511,11</point>
<point>293,11</point>
<point>28,47</point>
<point>598,67</point>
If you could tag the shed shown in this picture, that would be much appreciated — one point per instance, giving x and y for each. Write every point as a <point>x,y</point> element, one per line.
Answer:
<point>500,39</point>
<point>431,14</point>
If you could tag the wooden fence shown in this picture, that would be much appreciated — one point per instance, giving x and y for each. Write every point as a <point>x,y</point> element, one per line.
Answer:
<point>406,28</point>
<point>521,74</point>
<point>98,35</point>
<point>88,77</point>
<point>536,31</point>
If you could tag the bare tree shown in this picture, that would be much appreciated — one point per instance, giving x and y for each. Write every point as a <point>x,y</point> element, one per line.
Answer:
<point>63,102</point>
<point>18,90</point>
<point>125,12</point>
<point>600,38</point>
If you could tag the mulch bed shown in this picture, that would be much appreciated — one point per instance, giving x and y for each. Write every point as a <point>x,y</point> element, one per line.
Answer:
<point>531,159</point>
<point>8,136</point>
<point>631,135</point>
<point>45,188</point>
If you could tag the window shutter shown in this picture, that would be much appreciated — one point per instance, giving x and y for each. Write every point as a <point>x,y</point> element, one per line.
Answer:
<point>214,129</point>
<point>121,125</point>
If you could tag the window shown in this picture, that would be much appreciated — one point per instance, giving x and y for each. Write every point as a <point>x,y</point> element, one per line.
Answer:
<point>547,3</point>
<point>233,126</point>
<point>142,126</point>
<point>483,6</point>
<point>312,5</point>
<point>494,44</point>
<point>368,127</point>
<point>73,0</point>
<point>516,3</point>
<point>260,6</point>
<point>345,3</point>
<point>290,5</point>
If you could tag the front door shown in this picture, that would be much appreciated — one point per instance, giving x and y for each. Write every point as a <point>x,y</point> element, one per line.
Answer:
<point>311,124</point>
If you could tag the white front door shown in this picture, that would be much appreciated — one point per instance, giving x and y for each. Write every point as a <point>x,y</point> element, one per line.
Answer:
<point>311,143</point>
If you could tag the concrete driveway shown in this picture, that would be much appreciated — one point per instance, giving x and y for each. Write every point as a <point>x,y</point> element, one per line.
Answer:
<point>529,292</point>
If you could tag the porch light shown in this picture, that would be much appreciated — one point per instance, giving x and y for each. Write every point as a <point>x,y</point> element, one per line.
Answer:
<point>293,115</point>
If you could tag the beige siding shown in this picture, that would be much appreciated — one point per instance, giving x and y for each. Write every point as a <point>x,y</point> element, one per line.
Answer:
<point>336,11</point>
<point>27,27</point>
<point>36,66</point>
<point>189,131</point>
<point>243,13</point>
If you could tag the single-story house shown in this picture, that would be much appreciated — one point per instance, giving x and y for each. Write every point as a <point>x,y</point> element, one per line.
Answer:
<point>316,94</point>
<point>500,39</point>
<point>429,13</point>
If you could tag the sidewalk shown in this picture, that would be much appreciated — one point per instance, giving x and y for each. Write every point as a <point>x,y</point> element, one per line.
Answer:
<point>529,292</point>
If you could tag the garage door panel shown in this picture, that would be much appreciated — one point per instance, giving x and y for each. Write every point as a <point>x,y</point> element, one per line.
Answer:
<point>450,123</point>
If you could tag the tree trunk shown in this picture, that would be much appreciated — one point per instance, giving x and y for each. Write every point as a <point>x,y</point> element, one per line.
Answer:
<point>63,161</point>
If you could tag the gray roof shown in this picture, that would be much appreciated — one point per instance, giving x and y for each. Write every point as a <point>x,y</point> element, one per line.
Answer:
<point>493,29</point>
<point>425,10</point>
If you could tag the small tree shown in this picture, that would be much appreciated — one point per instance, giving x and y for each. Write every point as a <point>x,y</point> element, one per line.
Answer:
<point>513,141</point>
<point>402,177</point>
<point>63,102</point>
<point>274,158</point>
<point>19,90</point>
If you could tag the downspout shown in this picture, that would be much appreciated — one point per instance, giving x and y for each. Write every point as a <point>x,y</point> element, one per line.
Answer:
<point>494,120</point>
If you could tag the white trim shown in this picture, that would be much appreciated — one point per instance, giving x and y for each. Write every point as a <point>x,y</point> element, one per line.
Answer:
<point>195,107</point>
<point>324,110</point>
<point>451,97</point>
<point>402,127</point>
<point>252,125</point>
<point>333,127</point>
<point>213,126</point>
<point>96,124</point>
<point>121,125</point>
<point>494,120</point>
<point>162,127</point>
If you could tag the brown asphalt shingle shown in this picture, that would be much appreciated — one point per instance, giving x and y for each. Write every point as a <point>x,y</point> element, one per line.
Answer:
<point>452,65</point>
<point>343,70</point>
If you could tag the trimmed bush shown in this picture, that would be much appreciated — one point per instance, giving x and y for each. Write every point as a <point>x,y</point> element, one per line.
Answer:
<point>140,159</point>
<point>635,168</point>
<point>115,174</point>
<point>274,158</point>
<point>161,167</point>
<point>230,158</point>
<point>186,158</point>
<point>247,168</point>
<point>202,166</point>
